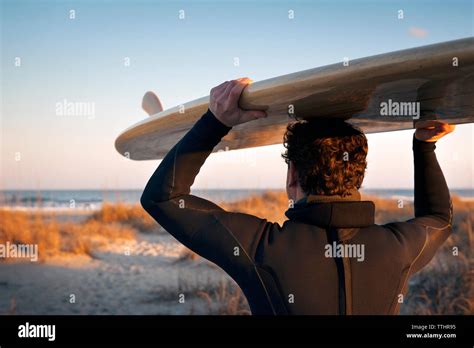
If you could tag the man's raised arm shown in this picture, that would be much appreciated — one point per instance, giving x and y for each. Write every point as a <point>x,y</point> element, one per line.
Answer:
<point>198,223</point>
<point>431,191</point>
<point>433,208</point>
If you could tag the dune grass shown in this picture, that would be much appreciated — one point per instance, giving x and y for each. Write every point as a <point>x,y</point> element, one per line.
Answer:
<point>130,215</point>
<point>446,285</point>
<point>270,205</point>
<point>225,299</point>
<point>54,238</point>
<point>112,221</point>
<point>24,228</point>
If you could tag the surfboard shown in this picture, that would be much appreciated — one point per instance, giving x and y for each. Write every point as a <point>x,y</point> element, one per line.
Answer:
<point>378,94</point>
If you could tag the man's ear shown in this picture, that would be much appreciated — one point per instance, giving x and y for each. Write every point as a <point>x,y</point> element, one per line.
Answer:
<point>293,175</point>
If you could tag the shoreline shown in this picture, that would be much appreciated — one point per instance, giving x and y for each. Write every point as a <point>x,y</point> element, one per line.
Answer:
<point>87,210</point>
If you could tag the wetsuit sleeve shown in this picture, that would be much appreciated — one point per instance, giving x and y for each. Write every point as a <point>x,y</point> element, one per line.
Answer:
<point>225,238</point>
<point>430,228</point>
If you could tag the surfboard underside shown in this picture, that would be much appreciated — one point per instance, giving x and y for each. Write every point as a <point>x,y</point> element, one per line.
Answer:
<point>377,94</point>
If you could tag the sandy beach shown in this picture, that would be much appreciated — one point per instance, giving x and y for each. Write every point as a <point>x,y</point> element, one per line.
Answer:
<point>142,276</point>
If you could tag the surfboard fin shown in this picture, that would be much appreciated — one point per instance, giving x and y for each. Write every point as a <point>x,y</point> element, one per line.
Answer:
<point>151,103</point>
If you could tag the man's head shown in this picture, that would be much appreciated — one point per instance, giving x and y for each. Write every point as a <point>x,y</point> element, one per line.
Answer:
<point>325,157</point>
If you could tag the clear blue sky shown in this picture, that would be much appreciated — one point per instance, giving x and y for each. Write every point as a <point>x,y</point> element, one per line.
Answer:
<point>83,60</point>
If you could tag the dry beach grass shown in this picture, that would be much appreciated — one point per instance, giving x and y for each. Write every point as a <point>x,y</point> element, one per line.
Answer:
<point>55,238</point>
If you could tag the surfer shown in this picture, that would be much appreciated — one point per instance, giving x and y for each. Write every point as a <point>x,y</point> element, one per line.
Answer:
<point>289,269</point>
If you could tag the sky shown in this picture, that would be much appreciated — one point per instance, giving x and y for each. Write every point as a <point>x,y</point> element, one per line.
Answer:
<point>108,54</point>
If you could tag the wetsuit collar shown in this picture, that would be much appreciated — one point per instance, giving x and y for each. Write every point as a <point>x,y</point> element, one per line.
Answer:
<point>333,211</point>
<point>353,195</point>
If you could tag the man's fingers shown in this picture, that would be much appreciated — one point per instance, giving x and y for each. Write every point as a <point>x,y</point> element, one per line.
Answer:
<point>448,128</point>
<point>219,87</point>
<point>429,124</point>
<point>218,91</point>
<point>432,130</point>
<point>224,88</point>
<point>224,103</point>
<point>237,89</point>
<point>233,92</point>
<point>228,88</point>
<point>437,126</point>
<point>245,80</point>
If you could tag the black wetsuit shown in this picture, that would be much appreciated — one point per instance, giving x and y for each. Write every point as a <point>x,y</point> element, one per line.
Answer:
<point>285,269</point>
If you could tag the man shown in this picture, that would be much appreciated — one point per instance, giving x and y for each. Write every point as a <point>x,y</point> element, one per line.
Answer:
<point>328,257</point>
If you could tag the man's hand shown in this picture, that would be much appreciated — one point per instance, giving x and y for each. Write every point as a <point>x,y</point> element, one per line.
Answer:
<point>432,130</point>
<point>224,103</point>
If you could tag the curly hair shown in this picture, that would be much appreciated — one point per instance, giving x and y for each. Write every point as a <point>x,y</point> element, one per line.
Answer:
<point>329,155</point>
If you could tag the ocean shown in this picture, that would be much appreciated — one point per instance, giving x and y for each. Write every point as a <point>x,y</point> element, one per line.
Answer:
<point>93,199</point>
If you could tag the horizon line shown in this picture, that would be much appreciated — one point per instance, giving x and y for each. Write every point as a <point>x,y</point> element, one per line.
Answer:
<point>211,188</point>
